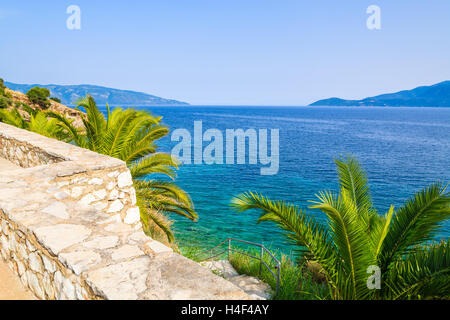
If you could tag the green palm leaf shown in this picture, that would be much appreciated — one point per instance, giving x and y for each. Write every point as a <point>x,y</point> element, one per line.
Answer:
<point>308,234</point>
<point>351,241</point>
<point>424,272</point>
<point>161,163</point>
<point>357,238</point>
<point>415,222</point>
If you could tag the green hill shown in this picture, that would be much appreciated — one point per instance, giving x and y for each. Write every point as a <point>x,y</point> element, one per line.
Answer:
<point>102,95</point>
<point>437,95</point>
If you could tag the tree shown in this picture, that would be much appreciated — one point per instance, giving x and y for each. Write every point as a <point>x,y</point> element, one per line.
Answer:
<point>357,237</point>
<point>38,122</point>
<point>39,96</point>
<point>56,99</point>
<point>5,102</point>
<point>130,135</point>
<point>5,98</point>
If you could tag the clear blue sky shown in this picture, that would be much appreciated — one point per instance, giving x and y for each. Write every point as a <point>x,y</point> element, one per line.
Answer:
<point>250,52</point>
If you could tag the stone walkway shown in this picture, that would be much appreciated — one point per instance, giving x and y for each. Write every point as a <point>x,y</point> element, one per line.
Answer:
<point>254,287</point>
<point>6,165</point>
<point>10,286</point>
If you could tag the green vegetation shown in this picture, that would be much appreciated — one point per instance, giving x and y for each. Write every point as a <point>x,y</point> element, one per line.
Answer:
<point>191,252</point>
<point>56,99</point>
<point>131,136</point>
<point>332,260</point>
<point>296,282</point>
<point>4,102</point>
<point>39,96</point>
<point>128,135</point>
<point>357,237</point>
<point>5,98</point>
<point>36,121</point>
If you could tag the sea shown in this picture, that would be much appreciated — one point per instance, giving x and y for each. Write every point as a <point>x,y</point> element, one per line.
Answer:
<point>402,149</point>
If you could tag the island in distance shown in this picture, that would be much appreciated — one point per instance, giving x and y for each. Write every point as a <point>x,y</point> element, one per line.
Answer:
<point>68,94</point>
<point>437,95</point>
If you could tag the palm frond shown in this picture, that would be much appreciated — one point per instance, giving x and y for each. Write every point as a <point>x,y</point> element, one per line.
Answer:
<point>12,117</point>
<point>380,231</point>
<point>353,179</point>
<point>94,123</point>
<point>415,222</point>
<point>166,197</point>
<point>130,135</point>
<point>154,223</point>
<point>424,273</point>
<point>143,139</point>
<point>351,242</point>
<point>117,124</point>
<point>161,163</point>
<point>304,231</point>
<point>66,124</point>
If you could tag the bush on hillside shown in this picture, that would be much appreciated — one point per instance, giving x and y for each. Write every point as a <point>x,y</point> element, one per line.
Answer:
<point>56,99</point>
<point>39,96</point>
<point>4,102</point>
<point>3,92</point>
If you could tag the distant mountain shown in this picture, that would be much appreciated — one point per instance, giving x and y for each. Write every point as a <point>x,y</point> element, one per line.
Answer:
<point>437,95</point>
<point>102,95</point>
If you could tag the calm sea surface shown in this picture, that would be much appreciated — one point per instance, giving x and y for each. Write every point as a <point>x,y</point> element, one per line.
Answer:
<point>402,150</point>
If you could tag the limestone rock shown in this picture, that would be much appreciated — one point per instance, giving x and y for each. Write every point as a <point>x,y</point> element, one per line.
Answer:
<point>87,199</point>
<point>123,281</point>
<point>61,236</point>
<point>95,181</point>
<point>124,179</point>
<point>57,209</point>
<point>100,194</point>
<point>132,216</point>
<point>77,192</point>
<point>254,287</point>
<point>35,262</point>
<point>125,252</point>
<point>157,247</point>
<point>49,265</point>
<point>80,261</point>
<point>102,242</point>
<point>115,206</point>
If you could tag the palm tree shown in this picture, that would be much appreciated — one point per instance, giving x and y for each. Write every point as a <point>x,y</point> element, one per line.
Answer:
<point>130,135</point>
<point>38,121</point>
<point>356,237</point>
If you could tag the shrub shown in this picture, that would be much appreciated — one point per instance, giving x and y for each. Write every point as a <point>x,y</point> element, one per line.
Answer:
<point>5,98</point>
<point>3,92</point>
<point>357,238</point>
<point>56,99</point>
<point>192,253</point>
<point>296,282</point>
<point>39,96</point>
<point>4,102</point>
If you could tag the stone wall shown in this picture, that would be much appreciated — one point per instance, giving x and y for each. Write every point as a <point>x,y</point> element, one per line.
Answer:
<point>37,268</point>
<point>70,228</point>
<point>25,155</point>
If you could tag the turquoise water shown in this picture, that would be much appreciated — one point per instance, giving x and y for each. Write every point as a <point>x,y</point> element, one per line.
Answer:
<point>402,150</point>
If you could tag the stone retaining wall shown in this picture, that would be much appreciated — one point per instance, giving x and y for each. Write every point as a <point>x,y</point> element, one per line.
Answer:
<point>70,228</point>
<point>25,155</point>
